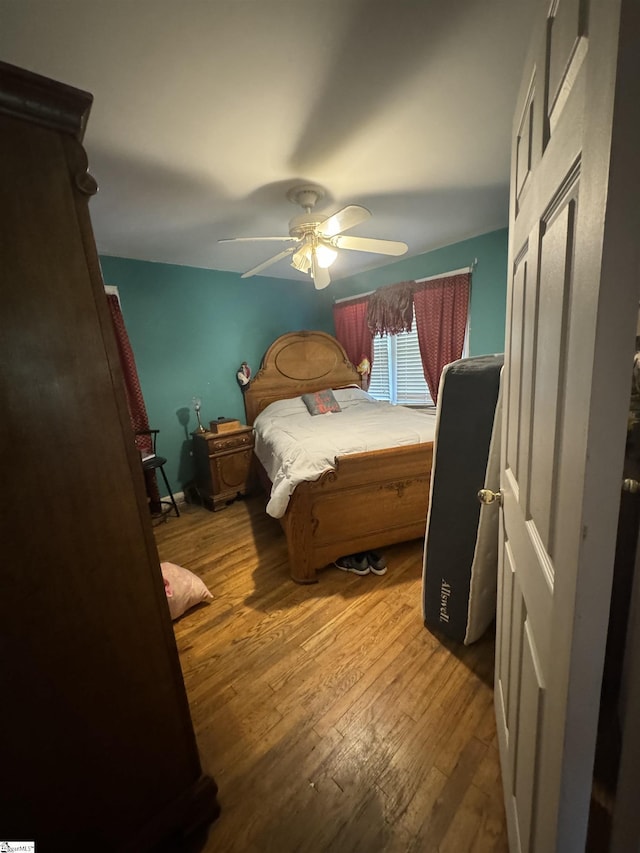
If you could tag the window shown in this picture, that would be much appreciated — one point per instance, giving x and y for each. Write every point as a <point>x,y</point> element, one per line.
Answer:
<point>397,373</point>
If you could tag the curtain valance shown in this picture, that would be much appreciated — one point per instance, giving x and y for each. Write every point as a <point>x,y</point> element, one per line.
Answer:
<point>391,309</point>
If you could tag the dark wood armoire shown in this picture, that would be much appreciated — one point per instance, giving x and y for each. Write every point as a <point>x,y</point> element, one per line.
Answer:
<point>98,749</point>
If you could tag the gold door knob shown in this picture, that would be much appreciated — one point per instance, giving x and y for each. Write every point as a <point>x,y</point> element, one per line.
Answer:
<point>632,486</point>
<point>486,496</point>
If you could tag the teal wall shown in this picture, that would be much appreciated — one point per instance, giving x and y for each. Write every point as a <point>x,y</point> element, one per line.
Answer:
<point>488,284</point>
<point>190,329</point>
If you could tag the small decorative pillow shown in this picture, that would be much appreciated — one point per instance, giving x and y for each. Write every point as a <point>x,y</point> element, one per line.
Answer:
<point>321,402</point>
<point>184,589</point>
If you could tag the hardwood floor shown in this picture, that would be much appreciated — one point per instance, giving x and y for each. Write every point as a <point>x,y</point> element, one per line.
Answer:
<point>331,719</point>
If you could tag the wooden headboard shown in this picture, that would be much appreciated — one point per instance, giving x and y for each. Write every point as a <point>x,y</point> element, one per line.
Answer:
<point>298,363</point>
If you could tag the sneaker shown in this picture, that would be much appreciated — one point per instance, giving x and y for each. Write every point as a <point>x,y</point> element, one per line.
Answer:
<point>356,563</point>
<point>377,563</point>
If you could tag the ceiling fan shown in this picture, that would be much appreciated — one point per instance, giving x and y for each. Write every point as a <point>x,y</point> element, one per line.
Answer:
<point>318,237</point>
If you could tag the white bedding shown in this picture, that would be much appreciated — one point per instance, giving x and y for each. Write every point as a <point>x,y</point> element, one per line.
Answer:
<point>294,446</point>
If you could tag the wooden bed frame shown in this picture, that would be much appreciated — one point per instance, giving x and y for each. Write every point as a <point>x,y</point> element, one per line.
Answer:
<point>371,499</point>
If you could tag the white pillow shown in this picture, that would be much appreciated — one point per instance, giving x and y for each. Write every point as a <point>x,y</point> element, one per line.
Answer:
<point>346,395</point>
<point>279,408</point>
<point>184,589</point>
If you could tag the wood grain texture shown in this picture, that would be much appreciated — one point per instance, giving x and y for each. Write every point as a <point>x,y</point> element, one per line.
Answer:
<point>89,670</point>
<point>330,717</point>
<point>369,501</point>
<point>223,463</point>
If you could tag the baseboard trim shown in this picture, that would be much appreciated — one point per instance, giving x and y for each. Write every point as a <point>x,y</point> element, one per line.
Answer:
<point>178,497</point>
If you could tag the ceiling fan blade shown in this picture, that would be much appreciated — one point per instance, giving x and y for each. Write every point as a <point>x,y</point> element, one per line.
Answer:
<point>265,264</point>
<point>342,220</point>
<point>258,239</point>
<point>320,275</point>
<point>371,244</point>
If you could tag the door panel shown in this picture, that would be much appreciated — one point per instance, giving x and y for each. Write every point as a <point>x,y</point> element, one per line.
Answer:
<point>524,143</point>
<point>556,248</point>
<point>517,355</point>
<point>566,49</point>
<point>529,718</point>
<point>514,654</point>
<point>568,354</point>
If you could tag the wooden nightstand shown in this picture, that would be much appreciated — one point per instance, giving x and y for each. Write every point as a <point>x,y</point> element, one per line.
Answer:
<point>223,465</point>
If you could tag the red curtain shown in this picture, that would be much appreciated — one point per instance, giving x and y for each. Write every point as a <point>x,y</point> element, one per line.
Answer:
<point>441,307</point>
<point>133,393</point>
<point>352,330</point>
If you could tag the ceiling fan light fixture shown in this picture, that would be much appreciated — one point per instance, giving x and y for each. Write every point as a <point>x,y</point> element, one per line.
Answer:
<point>301,260</point>
<point>320,238</point>
<point>325,255</point>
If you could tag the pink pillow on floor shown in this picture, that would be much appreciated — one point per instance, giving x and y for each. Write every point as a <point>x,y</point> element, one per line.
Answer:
<point>184,589</point>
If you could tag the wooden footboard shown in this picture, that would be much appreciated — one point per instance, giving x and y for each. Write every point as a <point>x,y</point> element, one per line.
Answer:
<point>370,500</point>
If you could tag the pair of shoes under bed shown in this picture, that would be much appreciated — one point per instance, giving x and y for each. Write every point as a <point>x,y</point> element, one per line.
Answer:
<point>363,563</point>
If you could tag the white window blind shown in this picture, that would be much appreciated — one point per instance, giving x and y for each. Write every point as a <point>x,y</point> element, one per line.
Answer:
<point>397,373</point>
<point>379,385</point>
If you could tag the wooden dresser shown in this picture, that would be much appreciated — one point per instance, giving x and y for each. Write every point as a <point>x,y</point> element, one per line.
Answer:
<point>223,463</point>
<point>98,748</point>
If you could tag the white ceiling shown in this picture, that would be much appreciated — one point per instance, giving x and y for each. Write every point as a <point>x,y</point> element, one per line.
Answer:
<point>207,111</point>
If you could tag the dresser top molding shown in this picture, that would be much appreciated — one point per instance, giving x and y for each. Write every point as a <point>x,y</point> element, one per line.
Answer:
<point>30,96</point>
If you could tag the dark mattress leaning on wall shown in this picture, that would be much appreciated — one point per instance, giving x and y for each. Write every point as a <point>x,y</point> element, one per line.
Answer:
<point>461,540</point>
